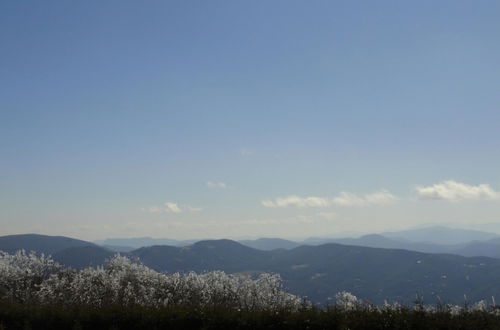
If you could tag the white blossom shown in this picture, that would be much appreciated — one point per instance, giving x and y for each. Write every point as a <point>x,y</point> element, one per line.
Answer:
<point>31,278</point>
<point>346,301</point>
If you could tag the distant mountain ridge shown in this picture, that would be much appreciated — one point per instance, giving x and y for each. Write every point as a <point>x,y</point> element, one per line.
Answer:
<point>441,235</point>
<point>487,248</point>
<point>435,239</point>
<point>380,241</point>
<point>138,242</point>
<point>268,244</point>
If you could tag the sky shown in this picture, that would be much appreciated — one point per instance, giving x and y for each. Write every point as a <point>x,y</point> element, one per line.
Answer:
<point>210,119</point>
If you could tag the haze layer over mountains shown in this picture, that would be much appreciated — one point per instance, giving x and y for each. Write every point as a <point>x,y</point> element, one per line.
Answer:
<point>436,239</point>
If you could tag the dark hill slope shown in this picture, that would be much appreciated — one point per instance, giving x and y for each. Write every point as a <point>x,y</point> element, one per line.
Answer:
<point>377,274</point>
<point>39,243</point>
<point>320,271</point>
<point>83,256</point>
<point>202,256</point>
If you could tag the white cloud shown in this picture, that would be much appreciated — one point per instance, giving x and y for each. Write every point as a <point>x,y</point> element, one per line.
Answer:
<point>297,202</point>
<point>216,185</point>
<point>456,191</point>
<point>382,197</point>
<point>171,207</point>
<point>348,199</point>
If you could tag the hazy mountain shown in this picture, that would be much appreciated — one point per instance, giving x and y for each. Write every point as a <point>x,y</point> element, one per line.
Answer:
<point>436,239</point>
<point>488,248</point>
<point>118,248</point>
<point>138,242</point>
<point>435,236</point>
<point>268,244</point>
<point>372,240</point>
<point>318,240</point>
<point>379,241</point>
<point>39,243</point>
<point>441,235</point>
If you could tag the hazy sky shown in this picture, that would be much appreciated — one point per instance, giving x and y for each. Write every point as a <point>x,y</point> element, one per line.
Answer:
<point>191,119</point>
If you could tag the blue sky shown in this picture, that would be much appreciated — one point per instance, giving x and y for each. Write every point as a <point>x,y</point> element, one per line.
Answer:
<point>111,109</point>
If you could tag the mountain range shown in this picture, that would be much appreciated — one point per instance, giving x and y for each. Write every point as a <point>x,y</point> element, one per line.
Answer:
<point>318,272</point>
<point>441,235</point>
<point>435,239</point>
<point>124,244</point>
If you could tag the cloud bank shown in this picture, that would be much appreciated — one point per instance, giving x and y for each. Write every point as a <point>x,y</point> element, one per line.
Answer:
<point>382,197</point>
<point>456,191</point>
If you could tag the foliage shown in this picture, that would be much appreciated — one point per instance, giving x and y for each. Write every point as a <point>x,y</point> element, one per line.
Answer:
<point>21,274</point>
<point>37,293</point>
<point>28,278</point>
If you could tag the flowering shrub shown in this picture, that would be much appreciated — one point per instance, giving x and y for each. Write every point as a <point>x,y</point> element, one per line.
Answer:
<point>21,274</point>
<point>347,301</point>
<point>28,278</point>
